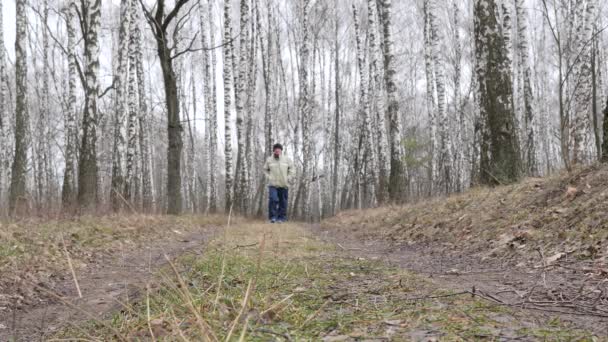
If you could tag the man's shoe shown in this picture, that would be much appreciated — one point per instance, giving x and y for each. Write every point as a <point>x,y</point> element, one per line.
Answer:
<point>273,220</point>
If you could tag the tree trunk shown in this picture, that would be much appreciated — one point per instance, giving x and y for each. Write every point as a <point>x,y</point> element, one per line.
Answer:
<point>87,167</point>
<point>228,55</point>
<point>17,197</point>
<point>500,158</point>
<point>397,175</point>
<point>67,193</point>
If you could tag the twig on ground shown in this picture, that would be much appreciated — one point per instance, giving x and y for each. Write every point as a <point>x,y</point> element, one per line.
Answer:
<point>314,314</point>
<point>268,331</point>
<point>67,255</point>
<point>243,306</point>
<point>245,246</point>
<point>148,312</point>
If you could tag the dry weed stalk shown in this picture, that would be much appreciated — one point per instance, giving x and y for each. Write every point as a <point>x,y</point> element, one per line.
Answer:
<point>67,255</point>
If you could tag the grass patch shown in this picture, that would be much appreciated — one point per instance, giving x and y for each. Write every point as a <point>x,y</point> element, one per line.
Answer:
<point>276,282</point>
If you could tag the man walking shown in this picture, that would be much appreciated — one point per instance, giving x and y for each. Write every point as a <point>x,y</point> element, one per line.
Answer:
<point>280,172</point>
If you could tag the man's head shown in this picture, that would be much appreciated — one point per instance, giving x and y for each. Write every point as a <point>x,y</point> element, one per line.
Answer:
<point>277,149</point>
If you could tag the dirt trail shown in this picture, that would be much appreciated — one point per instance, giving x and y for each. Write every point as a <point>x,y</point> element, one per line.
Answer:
<point>546,292</point>
<point>105,284</point>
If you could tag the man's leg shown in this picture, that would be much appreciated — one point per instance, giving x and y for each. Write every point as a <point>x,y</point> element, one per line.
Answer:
<point>283,194</point>
<point>273,203</point>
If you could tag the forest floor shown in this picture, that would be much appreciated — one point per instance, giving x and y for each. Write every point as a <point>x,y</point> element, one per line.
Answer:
<point>525,262</point>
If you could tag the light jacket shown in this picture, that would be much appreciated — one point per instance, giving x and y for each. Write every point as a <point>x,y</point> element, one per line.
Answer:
<point>280,172</point>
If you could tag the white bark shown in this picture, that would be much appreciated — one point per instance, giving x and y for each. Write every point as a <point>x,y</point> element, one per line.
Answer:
<point>71,133</point>
<point>242,115</point>
<point>121,108</point>
<point>132,105</point>
<point>228,102</point>
<point>378,94</point>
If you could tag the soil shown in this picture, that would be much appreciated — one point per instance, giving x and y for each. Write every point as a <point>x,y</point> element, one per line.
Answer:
<point>570,291</point>
<point>106,284</point>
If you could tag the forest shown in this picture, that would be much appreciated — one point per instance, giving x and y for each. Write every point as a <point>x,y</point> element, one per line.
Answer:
<point>172,107</point>
<point>448,159</point>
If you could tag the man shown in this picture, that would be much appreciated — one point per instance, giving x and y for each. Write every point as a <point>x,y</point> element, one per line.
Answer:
<point>280,172</point>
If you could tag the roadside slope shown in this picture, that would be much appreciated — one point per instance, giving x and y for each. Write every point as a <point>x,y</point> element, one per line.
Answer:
<point>540,245</point>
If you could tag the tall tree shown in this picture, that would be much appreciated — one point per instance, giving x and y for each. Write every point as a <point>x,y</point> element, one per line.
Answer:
<point>213,123</point>
<point>159,23</point>
<point>377,91</point>
<point>228,79</point>
<point>365,149</point>
<point>397,176</point>
<point>144,127</point>
<point>528,96</point>
<point>305,109</point>
<point>500,158</point>
<point>17,196</point>
<point>242,115</point>
<point>4,120</point>
<point>68,191</point>
<point>87,166</point>
<point>121,108</point>
<point>132,106</point>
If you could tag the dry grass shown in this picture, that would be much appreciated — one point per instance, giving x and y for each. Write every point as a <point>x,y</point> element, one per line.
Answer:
<point>280,283</point>
<point>567,213</point>
<point>37,252</point>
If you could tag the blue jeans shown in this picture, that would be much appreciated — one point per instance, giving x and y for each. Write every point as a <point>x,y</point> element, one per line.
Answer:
<point>277,203</point>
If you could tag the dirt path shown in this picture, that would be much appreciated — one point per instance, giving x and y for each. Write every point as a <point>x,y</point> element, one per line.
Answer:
<point>105,284</point>
<point>563,291</point>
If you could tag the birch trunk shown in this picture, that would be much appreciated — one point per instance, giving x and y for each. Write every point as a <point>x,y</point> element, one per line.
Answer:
<point>305,109</point>
<point>121,109</point>
<point>528,96</point>
<point>397,186</point>
<point>67,193</point>
<point>87,166</point>
<point>228,102</point>
<point>213,123</point>
<point>241,115</point>
<point>132,106</point>
<point>377,82</point>
<point>500,159</point>
<point>143,118</point>
<point>17,196</point>
<point>367,168</point>
<point>4,118</point>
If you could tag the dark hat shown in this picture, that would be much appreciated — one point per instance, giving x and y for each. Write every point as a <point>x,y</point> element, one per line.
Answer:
<point>279,146</point>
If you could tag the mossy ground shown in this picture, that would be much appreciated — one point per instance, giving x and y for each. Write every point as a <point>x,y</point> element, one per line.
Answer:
<point>262,282</point>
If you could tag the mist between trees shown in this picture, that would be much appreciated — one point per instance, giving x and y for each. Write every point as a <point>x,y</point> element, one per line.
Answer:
<point>172,106</point>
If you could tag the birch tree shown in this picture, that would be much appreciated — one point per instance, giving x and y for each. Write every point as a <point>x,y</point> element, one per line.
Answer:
<point>17,196</point>
<point>500,159</point>
<point>241,113</point>
<point>397,178</point>
<point>365,149</point>
<point>305,109</point>
<point>213,123</point>
<point>377,91</point>
<point>528,96</point>
<point>87,166</point>
<point>121,79</point>
<point>4,118</point>
<point>143,118</point>
<point>132,105</point>
<point>228,55</point>
<point>68,192</point>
